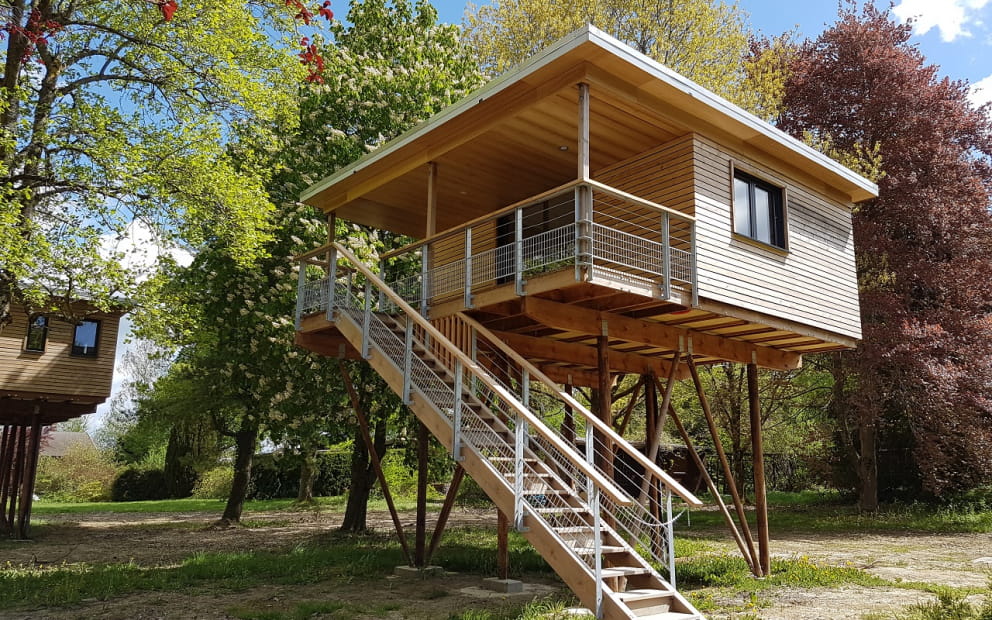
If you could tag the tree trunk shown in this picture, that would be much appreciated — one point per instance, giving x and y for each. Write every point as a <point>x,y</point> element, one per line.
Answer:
<point>180,477</point>
<point>868,467</point>
<point>244,440</point>
<point>308,473</point>
<point>362,479</point>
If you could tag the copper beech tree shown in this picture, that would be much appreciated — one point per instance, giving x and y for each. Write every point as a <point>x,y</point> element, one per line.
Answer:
<point>919,383</point>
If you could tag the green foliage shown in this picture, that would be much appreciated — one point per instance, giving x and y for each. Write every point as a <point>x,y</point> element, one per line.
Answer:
<point>214,483</point>
<point>951,605</point>
<point>84,474</point>
<point>138,484</point>
<point>275,476</point>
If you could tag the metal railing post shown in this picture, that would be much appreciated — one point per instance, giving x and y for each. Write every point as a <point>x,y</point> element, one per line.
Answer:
<point>332,277</point>
<point>666,257</point>
<point>520,429</point>
<point>590,456</point>
<point>456,421</point>
<point>578,233</point>
<point>367,320</point>
<point>407,361</point>
<point>670,533</point>
<point>474,354</point>
<point>597,542</point>
<point>692,262</point>
<point>424,277</point>
<point>301,287</point>
<point>518,250</point>
<point>382,293</point>
<point>468,268</point>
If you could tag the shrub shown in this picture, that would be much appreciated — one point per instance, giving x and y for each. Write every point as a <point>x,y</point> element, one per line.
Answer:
<point>137,484</point>
<point>274,476</point>
<point>215,483</point>
<point>84,474</point>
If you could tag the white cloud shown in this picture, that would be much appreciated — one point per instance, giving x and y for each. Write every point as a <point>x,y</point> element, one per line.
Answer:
<point>951,17</point>
<point>141,248</point>
<point>981,92</point>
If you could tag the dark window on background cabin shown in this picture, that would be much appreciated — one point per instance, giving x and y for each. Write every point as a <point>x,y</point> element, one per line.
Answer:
<point>37,335</point>
<point>85,338</point>
<point>759,210</point>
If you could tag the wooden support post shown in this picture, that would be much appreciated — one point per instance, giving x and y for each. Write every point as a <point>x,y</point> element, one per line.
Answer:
<point>758,461</point>
<point>374,457</point>
<point>650,409</point>
<point>431,227</point>
<point>728,475</point>
<point>27,480</point>
<point>6,470</point>
<point>659,421</point>
<point>502,545</point>
<point>729,520</point>
<point>442,519</point>
<point>423,445</point>
<point>568,424</point>
<point>18,472</point>
<point>605,403</point>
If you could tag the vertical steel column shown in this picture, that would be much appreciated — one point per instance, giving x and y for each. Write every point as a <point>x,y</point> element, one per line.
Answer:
<point>693,275</point>
<point>301,285</point>
<point>670,534</point>
<point>332,277</point>
<point>367,320</point>
<point>467,301</point>
<point>382,293</point>
<point>456,414</point>
<point>518,249</point>
<point>597,546</point>
<point>424,279</point>
<point>407,361</point>
<point>666,256</point>
<point>520,435</point>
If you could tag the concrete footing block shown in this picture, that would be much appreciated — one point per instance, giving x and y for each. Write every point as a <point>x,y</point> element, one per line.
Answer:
<point>412,572</point>
<point>506,586</point>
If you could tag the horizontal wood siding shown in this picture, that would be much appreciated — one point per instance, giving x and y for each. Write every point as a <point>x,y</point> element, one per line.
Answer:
<point>814,284</point>
<point>662,175</point>
<point>55,371</point>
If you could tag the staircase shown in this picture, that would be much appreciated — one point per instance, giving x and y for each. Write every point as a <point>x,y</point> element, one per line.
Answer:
<point>513,431</point>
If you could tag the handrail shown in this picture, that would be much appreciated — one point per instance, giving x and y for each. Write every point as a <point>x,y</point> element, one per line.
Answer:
<point>482,218</point>
<point>321,250</point>
<point>601,426</point>
<point>619,193</point>
<point>601,481</point>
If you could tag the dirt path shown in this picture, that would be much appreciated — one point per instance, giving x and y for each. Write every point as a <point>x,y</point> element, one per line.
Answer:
<point>150,539</point>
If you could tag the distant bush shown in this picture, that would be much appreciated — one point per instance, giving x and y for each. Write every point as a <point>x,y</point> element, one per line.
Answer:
<point>274,476</point>
<point>138,484</point>
<point>84,474</point>
<point>215,483</point>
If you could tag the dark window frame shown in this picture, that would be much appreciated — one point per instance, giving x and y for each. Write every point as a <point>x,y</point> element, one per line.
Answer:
<point>778,215</point>
<point>77,351</point>
<point>32,328</point>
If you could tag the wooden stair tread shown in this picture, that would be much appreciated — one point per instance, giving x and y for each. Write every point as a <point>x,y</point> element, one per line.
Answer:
<point>602,549</point>
<point>624,571</point>
<point>643,593</point>
<point>670,615</point>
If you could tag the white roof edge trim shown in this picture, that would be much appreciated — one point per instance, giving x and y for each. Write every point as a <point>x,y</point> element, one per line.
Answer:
<point>708,97</point>
<point>618,48</point>
<point>547,55</point>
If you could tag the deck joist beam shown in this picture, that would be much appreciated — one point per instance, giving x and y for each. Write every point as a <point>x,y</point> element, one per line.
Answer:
<point>576,319</point>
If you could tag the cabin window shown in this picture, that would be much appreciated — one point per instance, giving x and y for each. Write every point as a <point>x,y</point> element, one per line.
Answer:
<point>37,334</point>
<point>85,337</point>
<point>759,210</point>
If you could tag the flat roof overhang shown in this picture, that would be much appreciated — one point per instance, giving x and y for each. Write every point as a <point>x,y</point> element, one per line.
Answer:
<point>517,137</point>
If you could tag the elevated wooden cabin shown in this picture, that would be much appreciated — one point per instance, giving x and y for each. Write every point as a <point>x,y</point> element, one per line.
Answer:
<point>51,370</point>
<point>591,213</point>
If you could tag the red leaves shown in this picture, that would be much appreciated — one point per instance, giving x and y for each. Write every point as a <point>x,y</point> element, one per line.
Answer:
<point>168,8</point>
<point>35,32</point>
<point>325,10</point>
<point>310,57</point>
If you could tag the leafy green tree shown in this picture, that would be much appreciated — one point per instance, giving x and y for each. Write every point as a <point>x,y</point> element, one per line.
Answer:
<point>113,113</point>
<point>705,40</point>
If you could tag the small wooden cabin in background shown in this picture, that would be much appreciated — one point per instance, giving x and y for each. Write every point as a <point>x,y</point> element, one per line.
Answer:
<point>51,370</point>
<point>588,215</point>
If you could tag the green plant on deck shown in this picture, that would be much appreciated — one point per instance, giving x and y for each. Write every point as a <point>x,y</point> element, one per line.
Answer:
<point>537,265</point>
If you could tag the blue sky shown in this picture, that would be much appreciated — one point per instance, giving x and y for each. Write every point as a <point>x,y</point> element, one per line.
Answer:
<point>954,34</point>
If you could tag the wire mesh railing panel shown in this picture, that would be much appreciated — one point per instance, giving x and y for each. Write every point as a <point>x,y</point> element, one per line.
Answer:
<point>313,296</point>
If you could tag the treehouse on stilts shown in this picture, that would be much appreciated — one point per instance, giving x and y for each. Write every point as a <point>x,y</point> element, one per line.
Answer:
<point>586,216</point>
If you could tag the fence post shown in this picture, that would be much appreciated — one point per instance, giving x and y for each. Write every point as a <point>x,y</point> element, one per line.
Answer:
<point>467,302</point>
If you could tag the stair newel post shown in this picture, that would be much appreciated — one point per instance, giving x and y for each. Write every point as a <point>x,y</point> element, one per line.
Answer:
<point>666,256</point>
<point>301,284</point>
<point>518,250</point>
<point>456,414</point>
<point>597,546</point>
<point>474,354</point>
<point>332,276</point>
<point>590,455</point>
<point>367,320</point>
<point>467,301</point>
<point>382,293</point>
<point>520,443</point>
<point>407,361</point>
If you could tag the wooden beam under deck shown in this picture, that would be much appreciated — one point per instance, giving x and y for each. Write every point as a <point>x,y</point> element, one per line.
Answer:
<point>575,319</point>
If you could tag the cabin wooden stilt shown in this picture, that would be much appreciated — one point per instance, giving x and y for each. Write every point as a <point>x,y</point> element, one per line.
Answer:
<point>758,462</point>
<point>442,518</point>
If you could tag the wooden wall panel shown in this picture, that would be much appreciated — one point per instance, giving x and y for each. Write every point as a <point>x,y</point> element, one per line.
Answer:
<point>663,175</point>
<point>55,371</point>
<point>815,283</point>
